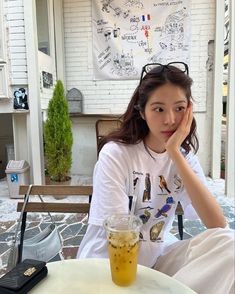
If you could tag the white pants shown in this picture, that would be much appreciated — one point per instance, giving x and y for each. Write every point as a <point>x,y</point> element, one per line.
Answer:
<point>205,262</point>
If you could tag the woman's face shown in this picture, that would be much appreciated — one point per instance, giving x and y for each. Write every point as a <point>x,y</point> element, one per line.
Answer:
<point>163,112</point>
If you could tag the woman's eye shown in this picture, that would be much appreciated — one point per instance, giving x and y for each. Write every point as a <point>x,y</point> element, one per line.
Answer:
<point>180,108</point>
<point>158,109</point>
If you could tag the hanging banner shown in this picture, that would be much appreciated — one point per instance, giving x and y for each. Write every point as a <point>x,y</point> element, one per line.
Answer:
<point>127,34</point>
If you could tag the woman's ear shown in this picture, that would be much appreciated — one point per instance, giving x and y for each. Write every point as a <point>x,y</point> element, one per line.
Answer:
<point>142,115</point>
<point>138,108</point>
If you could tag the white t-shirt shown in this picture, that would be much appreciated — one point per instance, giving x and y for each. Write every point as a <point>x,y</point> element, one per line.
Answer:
<point>130,170</point>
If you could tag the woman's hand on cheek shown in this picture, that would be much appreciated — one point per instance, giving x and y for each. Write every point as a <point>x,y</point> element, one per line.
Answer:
<point>175,141</point>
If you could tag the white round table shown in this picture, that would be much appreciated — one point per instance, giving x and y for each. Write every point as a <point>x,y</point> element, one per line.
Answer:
<point>93,276</point>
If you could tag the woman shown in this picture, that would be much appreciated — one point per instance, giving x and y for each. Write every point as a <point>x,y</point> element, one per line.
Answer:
<point>150,160</point>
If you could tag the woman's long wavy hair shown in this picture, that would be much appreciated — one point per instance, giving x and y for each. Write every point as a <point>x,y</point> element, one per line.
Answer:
<point>133,128</point>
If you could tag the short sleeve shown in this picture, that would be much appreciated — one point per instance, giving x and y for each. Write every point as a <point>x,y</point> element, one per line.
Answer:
<point>109,184</point>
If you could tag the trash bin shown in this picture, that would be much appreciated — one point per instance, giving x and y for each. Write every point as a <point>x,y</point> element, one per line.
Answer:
<point>17,174</point>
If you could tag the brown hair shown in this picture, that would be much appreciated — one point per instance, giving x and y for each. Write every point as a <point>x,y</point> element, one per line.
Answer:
<point>133,128</point>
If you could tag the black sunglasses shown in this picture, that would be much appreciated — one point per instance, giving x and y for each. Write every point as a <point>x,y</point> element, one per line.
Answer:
<point>150,66</point>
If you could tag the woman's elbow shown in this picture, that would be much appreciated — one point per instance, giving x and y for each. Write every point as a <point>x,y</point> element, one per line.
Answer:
<point>219,223</point>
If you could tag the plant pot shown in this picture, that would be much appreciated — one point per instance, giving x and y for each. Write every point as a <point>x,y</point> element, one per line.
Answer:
<point>49,181</point>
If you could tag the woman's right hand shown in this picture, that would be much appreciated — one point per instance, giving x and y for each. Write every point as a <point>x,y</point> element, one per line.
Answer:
<point>174,142</point>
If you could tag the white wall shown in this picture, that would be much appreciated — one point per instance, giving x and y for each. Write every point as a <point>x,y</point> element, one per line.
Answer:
<point>84,152</point>
<point>3,58</point>
<point>111,97</point>
<point>23,121</point>
<point>21,139</point>
<point>47,62</point>
<point>14,49</point>
<point>15,40</point>
<point>6,135</point>
<point>114,95</point>
<point>106,97</point>
<point>13,127</point>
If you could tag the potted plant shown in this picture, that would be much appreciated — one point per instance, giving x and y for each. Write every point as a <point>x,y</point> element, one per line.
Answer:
<point>58,138</point>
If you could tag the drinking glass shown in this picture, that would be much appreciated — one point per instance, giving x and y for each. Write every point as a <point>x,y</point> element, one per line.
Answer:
<point>123,238</point>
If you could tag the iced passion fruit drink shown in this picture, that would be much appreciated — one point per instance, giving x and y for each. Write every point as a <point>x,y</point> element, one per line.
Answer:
<point>123,238</point>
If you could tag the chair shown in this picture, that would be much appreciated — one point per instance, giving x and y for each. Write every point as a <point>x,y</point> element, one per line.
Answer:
<point>180,212</point>
<point>103,128</point>
<point>52,190</point>
<point>55,190</point>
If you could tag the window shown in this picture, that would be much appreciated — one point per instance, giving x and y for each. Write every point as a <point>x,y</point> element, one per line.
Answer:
<point>42,26</point>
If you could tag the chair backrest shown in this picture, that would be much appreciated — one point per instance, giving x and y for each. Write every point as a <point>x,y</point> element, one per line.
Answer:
<point>54,190</point>
<point>105,126</point>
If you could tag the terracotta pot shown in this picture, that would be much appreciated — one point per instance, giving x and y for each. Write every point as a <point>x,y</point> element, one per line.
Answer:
<point>49,181</point>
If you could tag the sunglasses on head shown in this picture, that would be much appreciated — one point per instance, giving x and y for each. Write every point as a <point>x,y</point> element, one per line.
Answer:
<point>147,69</point>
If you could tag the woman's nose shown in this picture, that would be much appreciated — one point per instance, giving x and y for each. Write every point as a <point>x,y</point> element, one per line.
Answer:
<point>169,118</point>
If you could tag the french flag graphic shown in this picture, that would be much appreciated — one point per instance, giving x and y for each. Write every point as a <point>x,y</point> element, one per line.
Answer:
<point>145,17</point>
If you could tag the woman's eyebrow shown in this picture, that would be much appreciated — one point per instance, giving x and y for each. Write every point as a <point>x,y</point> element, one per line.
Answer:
<point>181,101</point>
<point>161,103</point>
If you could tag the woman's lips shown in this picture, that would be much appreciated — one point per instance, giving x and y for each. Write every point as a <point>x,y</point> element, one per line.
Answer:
<point>168,133</point>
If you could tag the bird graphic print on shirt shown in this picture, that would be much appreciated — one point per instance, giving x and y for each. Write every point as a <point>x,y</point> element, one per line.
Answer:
<point>145,216</point>
<point>135,181</point>
<point>147,190</point>
<point>163,184</point>
<point>166,207</point>
<point>156,191</point>
<point>156,230</point>
<point>178,183</point>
